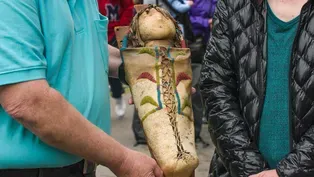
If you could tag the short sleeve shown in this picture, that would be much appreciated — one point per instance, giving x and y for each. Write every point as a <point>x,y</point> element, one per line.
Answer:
<point>21,42</point>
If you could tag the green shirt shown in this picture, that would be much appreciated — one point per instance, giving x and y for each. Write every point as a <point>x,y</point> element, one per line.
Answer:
<point>64,42</point>
<point>274,141</point>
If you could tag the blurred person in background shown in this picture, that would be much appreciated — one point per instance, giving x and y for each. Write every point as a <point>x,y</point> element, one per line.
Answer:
<point>173,6</point>
<point>119,13</point>
<point>138,2</point>
<point>201,14</point>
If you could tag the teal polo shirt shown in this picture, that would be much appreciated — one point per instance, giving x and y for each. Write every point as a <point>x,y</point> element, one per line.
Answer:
<point>64,42</point>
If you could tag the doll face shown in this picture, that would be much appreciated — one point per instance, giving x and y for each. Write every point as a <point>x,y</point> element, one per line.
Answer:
<point>155,26</point>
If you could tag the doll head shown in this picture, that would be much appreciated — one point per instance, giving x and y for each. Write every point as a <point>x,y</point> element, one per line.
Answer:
<point>154,24</point>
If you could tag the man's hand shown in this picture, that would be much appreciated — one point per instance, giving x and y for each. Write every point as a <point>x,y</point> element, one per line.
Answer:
<point>190,3</point>
<point>210,22</point>
<point>139,165</point>
<point>114,61</point>
<point>46,113</point>
<point>269,173</point>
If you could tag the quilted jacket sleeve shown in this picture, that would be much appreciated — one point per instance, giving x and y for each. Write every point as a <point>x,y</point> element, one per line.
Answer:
<point>227,128</point>
<point>300,162</point>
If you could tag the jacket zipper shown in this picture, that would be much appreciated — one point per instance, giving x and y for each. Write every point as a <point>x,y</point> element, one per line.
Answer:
<point>263,53</point>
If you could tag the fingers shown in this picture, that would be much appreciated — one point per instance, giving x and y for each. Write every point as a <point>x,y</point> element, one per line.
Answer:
<point>193,90</point>
<point>158,172</point>
<point>131,101</point>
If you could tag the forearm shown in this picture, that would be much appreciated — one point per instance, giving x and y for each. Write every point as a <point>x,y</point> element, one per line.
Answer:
<point>49,116</point>
<point>114,61</point>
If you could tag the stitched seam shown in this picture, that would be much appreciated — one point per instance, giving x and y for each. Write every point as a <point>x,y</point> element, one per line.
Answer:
<point>23,69</point>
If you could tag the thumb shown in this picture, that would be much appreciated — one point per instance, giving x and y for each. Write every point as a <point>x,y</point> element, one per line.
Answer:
<point>131,101</point>
<point>158,172</point>
<point>193,90</point>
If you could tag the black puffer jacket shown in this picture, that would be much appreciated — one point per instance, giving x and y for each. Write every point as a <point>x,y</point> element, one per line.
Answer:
<point>233,85</point>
